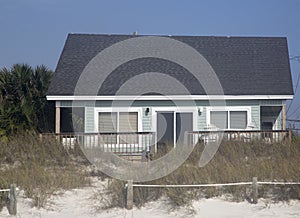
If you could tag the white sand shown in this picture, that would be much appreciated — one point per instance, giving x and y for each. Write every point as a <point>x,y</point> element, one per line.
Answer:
<point>81,203</point>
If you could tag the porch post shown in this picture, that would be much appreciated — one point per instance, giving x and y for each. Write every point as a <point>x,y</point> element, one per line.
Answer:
<point>283,116</point>
<point>57,117</point>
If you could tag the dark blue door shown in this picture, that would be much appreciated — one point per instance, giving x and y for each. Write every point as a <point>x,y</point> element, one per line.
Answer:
<point>165,127</point>
<point>184,123</point>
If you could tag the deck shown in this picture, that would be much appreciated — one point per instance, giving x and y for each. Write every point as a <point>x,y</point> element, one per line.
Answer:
<point>142,145</point>
<point>273,136</point>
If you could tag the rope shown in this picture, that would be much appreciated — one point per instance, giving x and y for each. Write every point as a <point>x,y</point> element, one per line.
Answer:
<point>279,183</point>
<point>191,186</point>
<point>215,185</point>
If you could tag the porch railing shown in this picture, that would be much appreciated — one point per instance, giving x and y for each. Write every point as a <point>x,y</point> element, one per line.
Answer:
<point>121,143</point>
<point>244,136</point>
<point>144,143</point>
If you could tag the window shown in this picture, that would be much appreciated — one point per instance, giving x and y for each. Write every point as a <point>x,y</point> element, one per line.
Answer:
<point>238,119</point>
<point>219,119</point>
<point>128,122</point>
<point>118,122</point>
<point>228,118</point>
<point>108,124</point>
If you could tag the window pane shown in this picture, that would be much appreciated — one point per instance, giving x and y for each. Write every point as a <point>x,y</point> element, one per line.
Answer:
<point>238,119</point>
<point>128,122</point>
<point>219,119</point>
<point>108,124</point>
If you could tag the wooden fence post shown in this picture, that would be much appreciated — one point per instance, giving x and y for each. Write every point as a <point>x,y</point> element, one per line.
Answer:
<point>41,137</point>
<point>254,190</point>
<point>129,195</point>
<point>12,206</point>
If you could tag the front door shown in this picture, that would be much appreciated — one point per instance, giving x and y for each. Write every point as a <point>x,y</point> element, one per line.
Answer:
<point>184,123</point>
<point>165,127</point>
<point>167,132</point>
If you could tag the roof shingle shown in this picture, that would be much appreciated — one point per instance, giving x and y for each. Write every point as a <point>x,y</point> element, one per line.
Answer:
<point>244,65</point>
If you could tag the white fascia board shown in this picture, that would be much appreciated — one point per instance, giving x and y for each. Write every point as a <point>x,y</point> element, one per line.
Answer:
<point>169,97</point>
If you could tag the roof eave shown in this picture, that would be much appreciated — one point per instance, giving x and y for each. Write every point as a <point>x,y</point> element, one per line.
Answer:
<point>169,97</point>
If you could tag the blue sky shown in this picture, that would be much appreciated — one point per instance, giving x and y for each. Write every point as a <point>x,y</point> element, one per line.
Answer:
<point>34,31</point>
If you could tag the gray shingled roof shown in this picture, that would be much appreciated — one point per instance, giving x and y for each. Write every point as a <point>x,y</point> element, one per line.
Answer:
<point>244,65</point>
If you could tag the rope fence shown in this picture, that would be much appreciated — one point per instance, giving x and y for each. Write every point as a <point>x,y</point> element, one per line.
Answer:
<point>129,188</point>
<point>12,199</point>
<point>4,190</point>
<point>192,186</point>
<point>215,185</point>
<point>278,183</point>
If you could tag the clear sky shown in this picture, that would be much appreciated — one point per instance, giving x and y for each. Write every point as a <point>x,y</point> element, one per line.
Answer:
<point>34,31</point>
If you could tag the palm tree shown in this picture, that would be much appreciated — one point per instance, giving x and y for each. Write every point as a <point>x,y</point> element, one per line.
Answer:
<point>41,79</point>
<point>22,98</point>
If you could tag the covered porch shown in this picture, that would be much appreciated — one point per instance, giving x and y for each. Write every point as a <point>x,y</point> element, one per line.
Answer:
<point>143,145</point>
<point>273,117</point>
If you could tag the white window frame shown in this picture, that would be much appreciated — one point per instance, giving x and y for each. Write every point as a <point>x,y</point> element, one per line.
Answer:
<point>117,110</point>
<point>174,110</point>
<point>228,110</point>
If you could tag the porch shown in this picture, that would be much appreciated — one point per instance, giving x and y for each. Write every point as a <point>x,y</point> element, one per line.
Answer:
<point>129,145</point>
<point>270,136</point>
<point>143,145</point>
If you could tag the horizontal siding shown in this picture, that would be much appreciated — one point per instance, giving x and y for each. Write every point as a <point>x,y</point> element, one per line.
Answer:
<point>242,103</point>
<point>147,118</point>
<point>77,103</point>
<point>255,116</point>
<point>270,102</point>
<point>279,121</point>
<point>167,103</point>
<point>89,120</point>
<point>66,103</point>
<point>201,119</point>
